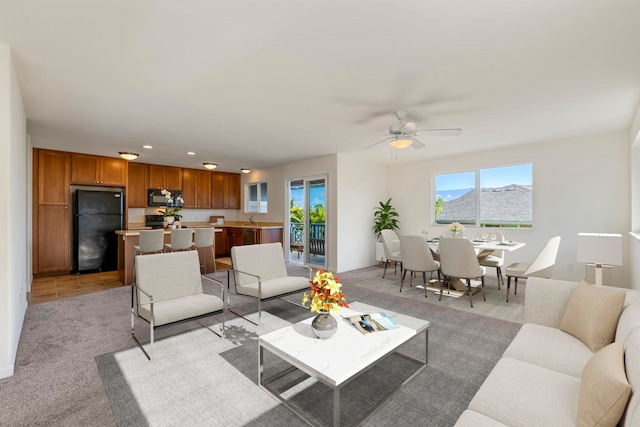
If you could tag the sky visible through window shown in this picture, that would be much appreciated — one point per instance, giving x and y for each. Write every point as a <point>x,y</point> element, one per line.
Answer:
<point>453,185</point>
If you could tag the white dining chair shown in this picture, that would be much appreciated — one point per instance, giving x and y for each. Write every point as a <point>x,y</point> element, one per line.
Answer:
<point>417,258</point>
<point>494,259</point>
<point>392,253</point>
<point>458,260</point>
<point>542,266</point>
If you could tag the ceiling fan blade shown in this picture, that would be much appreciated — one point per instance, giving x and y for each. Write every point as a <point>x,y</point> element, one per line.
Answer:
<point>379,142</point>
<point>415,143</point>
<point>441,132</point>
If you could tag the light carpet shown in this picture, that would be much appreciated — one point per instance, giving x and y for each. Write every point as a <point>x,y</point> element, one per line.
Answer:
<point>197,378</point>
<point>187,382</point>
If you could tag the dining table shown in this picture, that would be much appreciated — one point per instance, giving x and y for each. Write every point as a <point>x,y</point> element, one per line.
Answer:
<point>482,247</point>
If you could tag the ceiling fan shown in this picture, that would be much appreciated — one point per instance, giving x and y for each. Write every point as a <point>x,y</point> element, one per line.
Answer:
<point>403,133</point>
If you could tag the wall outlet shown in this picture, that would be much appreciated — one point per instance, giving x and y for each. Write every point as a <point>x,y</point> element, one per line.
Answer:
<point>569,267</point>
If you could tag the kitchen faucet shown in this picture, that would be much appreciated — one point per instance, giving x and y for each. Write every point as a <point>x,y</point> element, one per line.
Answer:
<point>252,220</point>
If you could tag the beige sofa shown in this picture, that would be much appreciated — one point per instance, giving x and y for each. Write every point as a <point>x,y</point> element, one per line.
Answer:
<point>538,380</point>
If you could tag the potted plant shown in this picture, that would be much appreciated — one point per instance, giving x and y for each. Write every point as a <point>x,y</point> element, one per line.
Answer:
<point>385,217</point>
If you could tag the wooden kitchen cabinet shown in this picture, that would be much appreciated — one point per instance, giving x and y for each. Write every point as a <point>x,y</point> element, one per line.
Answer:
<point>53,239</point>
<point>234,238</point>
<point>232,191</point>
<point>225,190</point>
<point>51,213</point>
<point>52,176</point>
<point>196,188</point>
<point>92,170</point>
<point>221,243</point>
<point>169,177</point>
<point>269,235</point>
<point>137,185</point>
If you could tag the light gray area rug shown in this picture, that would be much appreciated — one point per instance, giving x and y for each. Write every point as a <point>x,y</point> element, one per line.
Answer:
<point>187,382</point>
<point>204,380</point>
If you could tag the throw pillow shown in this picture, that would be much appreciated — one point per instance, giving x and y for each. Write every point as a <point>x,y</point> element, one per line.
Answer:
<point>592,315</point>
<point>604,389</point>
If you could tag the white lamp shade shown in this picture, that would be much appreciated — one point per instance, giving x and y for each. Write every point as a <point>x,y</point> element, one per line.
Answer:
<point>600,248</point>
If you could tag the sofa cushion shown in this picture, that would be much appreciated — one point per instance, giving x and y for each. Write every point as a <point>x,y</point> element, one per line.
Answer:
<point>474,419</point>
<point>549,348</point>
<point>632,365</point>
<point>628,322</point>
<point>592,315</point>
<point>173,310</point>
<point>604,389</point>
<point>275,287</point>
<point>517,393</point>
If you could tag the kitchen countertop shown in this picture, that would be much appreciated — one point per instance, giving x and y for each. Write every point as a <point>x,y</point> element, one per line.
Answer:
<point>134,230</point>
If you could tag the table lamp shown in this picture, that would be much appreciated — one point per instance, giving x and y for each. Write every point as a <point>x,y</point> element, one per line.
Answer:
<point>600,249</point>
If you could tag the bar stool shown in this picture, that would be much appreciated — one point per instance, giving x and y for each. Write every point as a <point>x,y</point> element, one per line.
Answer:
<point>151,242</point>
<point>205,238</point>
<point>181,239</point>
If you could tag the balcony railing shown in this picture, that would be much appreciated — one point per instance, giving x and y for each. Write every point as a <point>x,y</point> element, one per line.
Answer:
<point>316,236</point>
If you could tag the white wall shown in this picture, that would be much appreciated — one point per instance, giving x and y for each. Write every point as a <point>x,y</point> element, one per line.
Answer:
<point>634,144</point>
<point>361,186</point>
<point>580,185</point>
<point>277,193</point>
<point>354,188</point>
<point>13,221</point>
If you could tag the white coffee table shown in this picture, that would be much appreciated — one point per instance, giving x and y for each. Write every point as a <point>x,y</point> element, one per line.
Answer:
<point>344,356</point>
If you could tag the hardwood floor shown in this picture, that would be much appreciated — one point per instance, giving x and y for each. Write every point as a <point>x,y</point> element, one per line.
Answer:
<point>53,288</point>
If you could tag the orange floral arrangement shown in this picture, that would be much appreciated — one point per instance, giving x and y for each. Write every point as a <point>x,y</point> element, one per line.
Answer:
<point>326,293</point>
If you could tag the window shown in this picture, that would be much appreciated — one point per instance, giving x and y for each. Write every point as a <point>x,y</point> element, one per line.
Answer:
<point>493,197</point>
<point>256,197</point>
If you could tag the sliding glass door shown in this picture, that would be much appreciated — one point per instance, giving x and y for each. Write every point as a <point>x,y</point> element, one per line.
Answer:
<point>307,220</point>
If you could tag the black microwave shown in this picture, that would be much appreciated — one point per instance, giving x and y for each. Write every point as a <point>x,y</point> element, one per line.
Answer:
<point>157,198</point>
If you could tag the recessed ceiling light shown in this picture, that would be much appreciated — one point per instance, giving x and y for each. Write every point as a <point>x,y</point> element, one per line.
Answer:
<point>191,153</point>
<point>209,165</point>
<point>127,155</point>
<point>245,170</point>
<point>148,147</point>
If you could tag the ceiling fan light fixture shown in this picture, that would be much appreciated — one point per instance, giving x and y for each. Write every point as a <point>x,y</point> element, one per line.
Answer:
<point>209,165</point>
<point>128,155</point>
<point>245,170</point>
<point>400,143</point>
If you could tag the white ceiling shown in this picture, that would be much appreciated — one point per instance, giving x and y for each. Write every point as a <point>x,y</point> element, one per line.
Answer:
<point>259,83</point>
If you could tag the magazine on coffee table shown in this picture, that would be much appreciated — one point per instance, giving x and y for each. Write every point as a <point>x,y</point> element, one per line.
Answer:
<point>372,322</point>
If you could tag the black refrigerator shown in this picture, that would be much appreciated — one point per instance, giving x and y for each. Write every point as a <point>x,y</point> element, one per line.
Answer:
<point>97,215</point>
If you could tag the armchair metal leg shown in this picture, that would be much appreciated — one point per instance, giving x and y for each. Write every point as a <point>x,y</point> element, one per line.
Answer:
<point>483,295</point>
<point>508,286</point>
<point>470,292</point>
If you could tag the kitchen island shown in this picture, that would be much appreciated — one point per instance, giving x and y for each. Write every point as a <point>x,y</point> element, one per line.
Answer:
<point>227,235</point>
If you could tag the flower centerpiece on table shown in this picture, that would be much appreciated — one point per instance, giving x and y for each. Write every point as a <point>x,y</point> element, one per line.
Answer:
<point>326,296</point>
<point>326,293</point>
<point>455,228</point>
